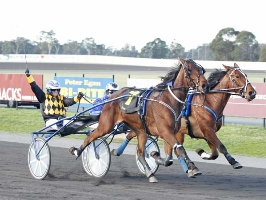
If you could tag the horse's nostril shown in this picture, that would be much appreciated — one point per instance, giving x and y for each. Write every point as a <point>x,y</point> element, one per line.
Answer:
<point>252,95</point>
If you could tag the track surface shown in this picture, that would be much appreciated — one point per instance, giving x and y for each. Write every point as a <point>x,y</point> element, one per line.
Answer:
<point>67,180</point>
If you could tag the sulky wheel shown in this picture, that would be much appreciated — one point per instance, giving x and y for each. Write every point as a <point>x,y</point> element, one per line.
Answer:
<point>96,158</point>
<point>39,165</point>
<point>151,145</point>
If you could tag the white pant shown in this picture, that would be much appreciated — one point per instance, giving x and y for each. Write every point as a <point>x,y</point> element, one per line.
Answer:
<point>52,121</point>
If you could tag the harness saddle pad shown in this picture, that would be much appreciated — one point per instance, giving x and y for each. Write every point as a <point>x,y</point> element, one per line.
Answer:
<point>131,104</point>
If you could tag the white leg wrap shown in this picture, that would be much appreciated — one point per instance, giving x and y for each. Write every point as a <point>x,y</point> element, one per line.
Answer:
<point>76,153</point>
<point>205,155</point>
<point>177,145</point>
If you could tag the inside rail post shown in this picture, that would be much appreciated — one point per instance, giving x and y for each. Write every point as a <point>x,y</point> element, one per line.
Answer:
<point>223,119</point>
<point>264,122</point>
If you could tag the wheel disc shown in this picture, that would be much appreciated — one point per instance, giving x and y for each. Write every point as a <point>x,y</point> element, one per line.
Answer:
<point>150,146</point>
<point>39,167</point>
<point>97,166</point>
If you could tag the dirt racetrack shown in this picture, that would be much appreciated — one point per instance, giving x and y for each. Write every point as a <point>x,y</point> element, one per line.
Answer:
<point>67,180</point>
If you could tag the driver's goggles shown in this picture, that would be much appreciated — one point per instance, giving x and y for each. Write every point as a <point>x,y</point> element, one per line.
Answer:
<point>111,91</point>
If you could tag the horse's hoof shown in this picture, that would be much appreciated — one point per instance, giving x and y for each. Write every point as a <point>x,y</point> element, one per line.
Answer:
<point>155,154</point>
<point>199,151</point>
<point>237,166</point>
<point>190,174</point>
<point>168,163</point>
<point>203,154</point>
<point>193,173</point>
<point>114,153</point>
<point>196,172</point>
<point>153,179</point>
<point>74,151</point>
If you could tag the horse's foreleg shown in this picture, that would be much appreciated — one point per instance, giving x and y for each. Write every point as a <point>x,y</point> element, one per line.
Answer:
<point>121,148</point>
<point>184,160</point>
<point>180,138</point>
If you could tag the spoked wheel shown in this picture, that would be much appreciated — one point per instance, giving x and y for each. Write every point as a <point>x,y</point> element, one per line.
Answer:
<point>151,145</point>
<point>96,158</point>
<point>39,166</point>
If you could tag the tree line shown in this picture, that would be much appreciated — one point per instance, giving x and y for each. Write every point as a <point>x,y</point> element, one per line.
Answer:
<point>228,45</point>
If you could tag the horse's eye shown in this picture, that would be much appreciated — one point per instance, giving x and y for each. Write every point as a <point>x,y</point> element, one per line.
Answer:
<point>237,76</point>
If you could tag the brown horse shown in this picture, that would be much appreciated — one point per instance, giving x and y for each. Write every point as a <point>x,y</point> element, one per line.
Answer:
<point>159,115</point>
<point>207,110</point>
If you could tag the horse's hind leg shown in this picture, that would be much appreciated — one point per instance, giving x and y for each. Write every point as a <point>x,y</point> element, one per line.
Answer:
<point>213,143</point>
<point>121,148</point>
<point>142,139</point>
<point>229,158</point>
<point>101,130</point>
<point>206,156</point>
<point>168,159</point>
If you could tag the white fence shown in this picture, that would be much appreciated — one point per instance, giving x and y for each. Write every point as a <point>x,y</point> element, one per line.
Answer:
<point>112,60</point>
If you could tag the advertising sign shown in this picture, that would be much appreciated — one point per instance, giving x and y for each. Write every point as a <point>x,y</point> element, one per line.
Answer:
<point>92,87</point>
<point>15,87</point>
<point>238,106</point>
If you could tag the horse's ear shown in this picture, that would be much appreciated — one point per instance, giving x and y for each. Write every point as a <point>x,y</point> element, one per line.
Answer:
<point>236,65</point>
<point>181,59</point>
<point>226,67</point>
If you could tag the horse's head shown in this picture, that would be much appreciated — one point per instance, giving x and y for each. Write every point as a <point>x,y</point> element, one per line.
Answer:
<point>194,74</point>
<point>240,82</point>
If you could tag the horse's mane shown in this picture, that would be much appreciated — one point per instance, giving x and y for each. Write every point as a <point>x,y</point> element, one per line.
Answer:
<point>215,77</point>
<point>169,77</point>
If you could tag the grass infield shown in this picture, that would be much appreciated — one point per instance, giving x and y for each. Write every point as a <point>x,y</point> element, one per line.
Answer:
<point>242,140</point>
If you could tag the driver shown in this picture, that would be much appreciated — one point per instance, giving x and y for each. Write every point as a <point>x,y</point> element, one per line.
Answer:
<point>52,103</point>
<point>110,88</point>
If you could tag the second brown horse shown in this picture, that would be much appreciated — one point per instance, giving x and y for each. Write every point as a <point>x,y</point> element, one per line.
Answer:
<point>206,111</point>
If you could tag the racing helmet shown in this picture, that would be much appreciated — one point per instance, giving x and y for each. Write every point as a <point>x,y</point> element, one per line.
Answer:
<point>111,88</point>
<point>52,85</point>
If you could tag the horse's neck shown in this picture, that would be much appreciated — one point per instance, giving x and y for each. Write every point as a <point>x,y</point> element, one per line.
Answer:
<point>181,86</point>
<point>218,100</point>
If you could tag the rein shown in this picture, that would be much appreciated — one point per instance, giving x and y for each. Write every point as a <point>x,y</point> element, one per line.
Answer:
<point>228,91</point>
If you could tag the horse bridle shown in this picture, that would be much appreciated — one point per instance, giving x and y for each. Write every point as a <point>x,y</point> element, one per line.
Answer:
<point>187,74</point>
<point>243,88</point>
